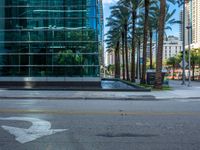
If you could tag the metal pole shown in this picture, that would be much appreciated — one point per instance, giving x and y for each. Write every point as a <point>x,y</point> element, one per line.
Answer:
<point>189,59</point>
<point>183,32</point>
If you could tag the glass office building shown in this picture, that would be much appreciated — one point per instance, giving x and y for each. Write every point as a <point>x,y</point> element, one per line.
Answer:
<point>50,38</point>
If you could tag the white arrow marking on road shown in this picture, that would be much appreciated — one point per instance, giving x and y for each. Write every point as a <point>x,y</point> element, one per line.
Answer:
<point>38,129</point>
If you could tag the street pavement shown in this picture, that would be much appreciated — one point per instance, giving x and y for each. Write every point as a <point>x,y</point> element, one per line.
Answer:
<point>178,92</point>
<point>94,120</point>
<point>99,124</point>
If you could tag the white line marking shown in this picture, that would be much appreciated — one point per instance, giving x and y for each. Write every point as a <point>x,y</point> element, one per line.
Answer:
<point>38,129</point>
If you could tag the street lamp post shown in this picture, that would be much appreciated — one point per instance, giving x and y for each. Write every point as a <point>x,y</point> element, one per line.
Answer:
<point>189,57</point>
<point>183,32</point>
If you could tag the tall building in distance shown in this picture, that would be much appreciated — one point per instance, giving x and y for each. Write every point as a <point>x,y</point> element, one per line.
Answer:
<point>171,47</point>
<point>50,38</point>
<point>195,19</point>
<point>192,18</point>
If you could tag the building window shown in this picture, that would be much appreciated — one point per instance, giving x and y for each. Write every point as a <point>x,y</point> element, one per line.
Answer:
<point>50,38</point>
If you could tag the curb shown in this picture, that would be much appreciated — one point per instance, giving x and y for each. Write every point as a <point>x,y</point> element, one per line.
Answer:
<point>176,98</point>
<point>145,98</point>
<point>136,98</point>
<point>97,90</point>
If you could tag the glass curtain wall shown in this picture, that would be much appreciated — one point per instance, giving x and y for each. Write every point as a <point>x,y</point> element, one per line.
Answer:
<point>51,38</point>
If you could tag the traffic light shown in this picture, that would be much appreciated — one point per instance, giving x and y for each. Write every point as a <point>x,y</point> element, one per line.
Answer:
<point>181,54</point>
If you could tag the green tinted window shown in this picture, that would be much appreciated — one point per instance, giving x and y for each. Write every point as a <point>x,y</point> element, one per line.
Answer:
<point>49,38</point>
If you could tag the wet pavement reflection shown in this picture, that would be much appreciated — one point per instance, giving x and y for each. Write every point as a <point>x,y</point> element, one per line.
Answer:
<point>106,84</point>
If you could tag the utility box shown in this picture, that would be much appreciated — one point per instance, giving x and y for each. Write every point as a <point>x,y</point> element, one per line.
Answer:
<point>151,76</point>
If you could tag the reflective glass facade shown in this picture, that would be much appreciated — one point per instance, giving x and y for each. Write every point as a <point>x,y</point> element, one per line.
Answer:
<point>53,38</point>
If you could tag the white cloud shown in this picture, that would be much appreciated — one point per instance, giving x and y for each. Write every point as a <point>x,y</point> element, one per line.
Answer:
<point>109,1</point>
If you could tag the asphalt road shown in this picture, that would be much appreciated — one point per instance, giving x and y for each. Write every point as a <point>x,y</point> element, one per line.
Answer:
<point>102,124</point>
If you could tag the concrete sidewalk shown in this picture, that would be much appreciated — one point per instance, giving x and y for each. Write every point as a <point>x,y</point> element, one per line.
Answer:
<point>179,92</point>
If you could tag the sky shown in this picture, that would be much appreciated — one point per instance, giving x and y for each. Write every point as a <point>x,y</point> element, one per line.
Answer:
<point>108,3</point>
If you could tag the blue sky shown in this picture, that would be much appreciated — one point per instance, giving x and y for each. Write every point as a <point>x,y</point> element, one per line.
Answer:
<point>108,3</point>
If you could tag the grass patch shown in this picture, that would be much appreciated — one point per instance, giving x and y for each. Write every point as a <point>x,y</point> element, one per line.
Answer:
<point>147,86</point>
<point>164,88</point>
<point>167,88</point>
<point>138,85</point>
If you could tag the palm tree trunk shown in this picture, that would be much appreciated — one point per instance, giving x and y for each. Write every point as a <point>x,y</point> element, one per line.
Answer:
<point>158,80</point>
<point>145,42</point>
<point>173,68</point>
<point>117,61</point>
<point>133,47</point>
<point>193,70</point>
<point>126,50</point>
<point>151,54</point>
<point>138,62</point>
<point>123,61</point>
<point>156,44</point>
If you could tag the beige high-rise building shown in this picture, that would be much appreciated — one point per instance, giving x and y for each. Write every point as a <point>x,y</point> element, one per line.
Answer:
<point>196,23</point>
<point>192,19</point>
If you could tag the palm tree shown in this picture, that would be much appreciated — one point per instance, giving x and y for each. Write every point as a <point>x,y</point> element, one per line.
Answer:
<point>123,59</point>
<point>113,44</point>
<point>121,14</point>
<point>146,5</point>
<point>169,20</point>
<point>153,24</point>
<point>132,6</point>
<point>151,47</point>
<point>158,80</point>
<point>125,12</point>
<point>151,21</point>
<point>134,13</point>
<point>139,37</point>
<point>161,31</point>
<point>118,23</point>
